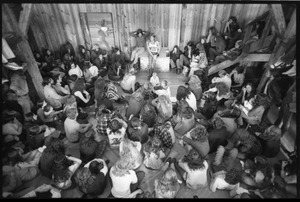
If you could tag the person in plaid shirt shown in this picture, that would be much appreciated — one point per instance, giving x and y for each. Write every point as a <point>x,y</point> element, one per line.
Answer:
<point>103,117</point>
<point>166,134</point>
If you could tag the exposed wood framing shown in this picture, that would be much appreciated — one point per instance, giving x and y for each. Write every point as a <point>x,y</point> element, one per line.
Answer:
<point>24,20</point>
<point>278,18</point>
<point>279,49</point>
<point>243,57</point>
<point>23,50</point>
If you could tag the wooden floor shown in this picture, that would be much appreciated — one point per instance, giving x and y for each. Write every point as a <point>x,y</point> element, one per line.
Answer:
<point>148,182</point>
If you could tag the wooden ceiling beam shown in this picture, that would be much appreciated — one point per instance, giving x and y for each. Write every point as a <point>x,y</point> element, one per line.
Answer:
<point>24,20</point>
<point>278,18</point>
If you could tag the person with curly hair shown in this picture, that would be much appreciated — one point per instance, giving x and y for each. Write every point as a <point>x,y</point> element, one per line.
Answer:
<point>154,153</point>
<point>197,138</point>
<point>164,106</point>
<point>183,121</point>
<point>168,185</point>
<point>270,141</point>
<point>125,181</point>
<point>193,168</point>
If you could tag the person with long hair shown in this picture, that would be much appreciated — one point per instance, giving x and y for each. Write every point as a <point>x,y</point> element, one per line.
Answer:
<point>63,169</point>
<point>232,32</point>
<point>164,106</point>
<point>175,58</point>
<point>83,97</point>
<point>125,181</point>
<point>168,185</point>
<point>197,138</point>
<point>193,169</point>
<point>183,121</point>
<point>56,147</point>
<point>245,97</point>
<point>186,57</point>
<point>84,56</point>
<point>255,115</point>
<point>131,149</point>
<point>185,94</point>
<point>194,85</point>
<point>153,47</point>
<point>140,37</point>
<point>154,153</point>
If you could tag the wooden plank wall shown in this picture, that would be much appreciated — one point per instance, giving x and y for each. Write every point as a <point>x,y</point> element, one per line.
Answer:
<point>174,24</point>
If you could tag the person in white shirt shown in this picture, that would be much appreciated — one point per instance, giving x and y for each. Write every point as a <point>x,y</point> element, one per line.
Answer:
<point>154,80</point>
<point>223,77</point>
<point>125,180</point>
<point>187,95</point>
<point>193,168</point>
<point>75,69</point>
<point>116,131</point>
<point>227,170</point>
<point>163,89</point>
<point>74,129</point>
<point>51,95</point>
<point>128,82</point>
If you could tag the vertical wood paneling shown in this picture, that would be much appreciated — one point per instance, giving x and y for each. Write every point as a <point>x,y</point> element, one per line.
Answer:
<point>54,24</point>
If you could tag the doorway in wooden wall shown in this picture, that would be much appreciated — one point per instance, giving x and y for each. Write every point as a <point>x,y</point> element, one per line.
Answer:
<point>98,29</point>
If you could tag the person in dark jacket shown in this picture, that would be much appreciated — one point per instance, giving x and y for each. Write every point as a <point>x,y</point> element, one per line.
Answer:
<point>220,46</point>
<point>99,58</point>
<point>67,48</point>
<point>186,57</point>
<point>175,58</point>
<point>230,54</point>
<point>232,32</point>
<point>56,147</point>
<point>270,141</point>
<point>218,135</point>
<point>84,56</point>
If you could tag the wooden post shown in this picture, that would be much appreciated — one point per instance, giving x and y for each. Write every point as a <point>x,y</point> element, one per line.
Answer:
<point>279,49</point>
<point>24,51</point>
<point>278,18</point>
<point>25,18</point>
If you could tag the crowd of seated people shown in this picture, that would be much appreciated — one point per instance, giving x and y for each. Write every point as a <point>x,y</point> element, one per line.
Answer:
<point>211,136</point>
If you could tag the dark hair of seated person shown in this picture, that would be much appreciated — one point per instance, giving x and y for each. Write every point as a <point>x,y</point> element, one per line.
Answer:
<point>43,195</point>
<point>95,167</point>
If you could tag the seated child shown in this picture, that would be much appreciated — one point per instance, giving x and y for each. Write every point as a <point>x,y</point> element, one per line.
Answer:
<point>163,89</point>
<point>154,80</point>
